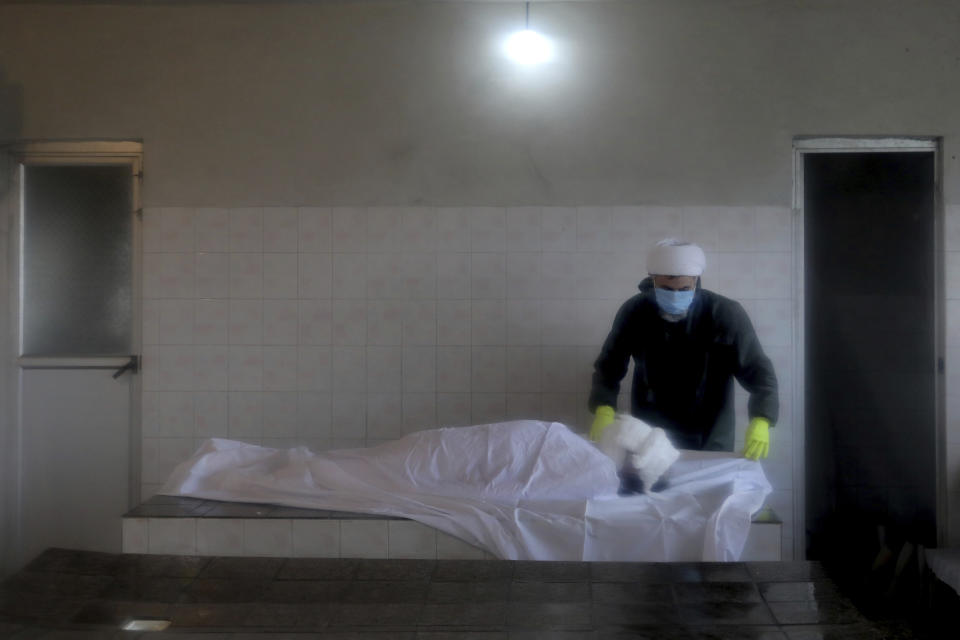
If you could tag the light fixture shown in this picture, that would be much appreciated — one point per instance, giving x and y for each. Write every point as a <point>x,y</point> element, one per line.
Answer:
<point>528,47</point>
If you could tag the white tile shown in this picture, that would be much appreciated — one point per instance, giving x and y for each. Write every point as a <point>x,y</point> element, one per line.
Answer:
<point>558,275</point>
<point>523,228</point>
<point>700,226</point>
<point>246,414</point>
<point>315,276</point>
<point>523,322</point>
<point>384,322</point>
<point>348,368</point>
<point>348,322</point>
<point>735,275</point>
<point>772,320</point>
<point>245,371</point>
<point>419,369</point>
<point>313,414</point>
<point>451,548</point>
<point>246,322</point>
<point>315,230</point>
<point>953,323</point>
<point>628,229</point>
<point>523,406</point>
<point>313,368</point>
<point>558,323</point>
<point>151,230</point>
<point>136,535</point>
<point>564,408</point>
<point>384,415</point>
<point>150,367</point>
<point>316,538</point>
<point>419,322</point>
<point>150,324</point>
<point>385,275</point>
<point>213,229</point>
<point>488,275</point>
<point>212,409</point>
<point>418,272</point>
<point>408,539</point>
<point>175,275</point>
<point>246,229</point>
<point>315,322</point>
<point>363,538</point>
<point>384,375</point>
<point>736,229</point>
<point>558,229</point>
<point>453,275</point>
<point>177,229</point>
<point>213,275</point>
<point>383,228</point>
<point>174,536</point>
<point>661,222</point>
<point>280,229</point>
<point>348,228</point>
<point>280,368</point>
<point>951,228</point>
<point>268,537</point>
<point>523,369</point>
<point>175,414</point>
<point>453,322</point>
<point>596,277</point>
<point>453,229</point>
<point>280,275</point>
<point>453,368</point>
<point>559,368</point>
<point>488,367</point>
<point>219,537</point>
<point>175,320</point>
<point>349,279</point>
<point>523,276</point>
<point>594,228</point>
<point>595,318</point>
<point>763,543</point>
<point>418,229</point>
<point>246,275</point>
<point>952,276</point>
<point>150,413</point>
<point>488,408</point>
<point>161,455</point>
<point>176,368</point>
<point>348,417</point>
<point>774,273</point>
<point>453,410</point>
<point>419,411</point>
<point>774,229</point>
<point>280,414</point>
<point>488,227</point>
<point>211,321</point>
<point>281,322</point>
<point>488,322</point>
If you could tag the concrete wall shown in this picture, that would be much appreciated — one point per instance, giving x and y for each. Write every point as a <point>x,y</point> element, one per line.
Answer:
<point>663,116</point>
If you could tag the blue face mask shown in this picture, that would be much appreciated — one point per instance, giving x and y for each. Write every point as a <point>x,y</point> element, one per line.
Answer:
<point>674,302</point>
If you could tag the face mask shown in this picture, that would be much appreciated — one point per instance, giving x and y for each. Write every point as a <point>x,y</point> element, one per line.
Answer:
<point>674,302</point>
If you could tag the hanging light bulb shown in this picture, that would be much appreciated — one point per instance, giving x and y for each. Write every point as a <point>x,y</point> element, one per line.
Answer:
<point>528,46</point>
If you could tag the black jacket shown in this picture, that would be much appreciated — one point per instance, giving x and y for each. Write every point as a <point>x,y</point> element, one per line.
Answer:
<point>684,371</point>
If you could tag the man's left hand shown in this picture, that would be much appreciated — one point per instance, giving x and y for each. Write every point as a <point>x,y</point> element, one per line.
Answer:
<point>757,442</point>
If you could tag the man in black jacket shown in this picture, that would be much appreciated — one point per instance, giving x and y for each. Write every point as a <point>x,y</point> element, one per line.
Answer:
<point>688,345</point>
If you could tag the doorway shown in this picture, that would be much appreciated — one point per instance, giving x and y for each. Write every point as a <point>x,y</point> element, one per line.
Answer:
<point>73,284</point>
<point>872,355</point>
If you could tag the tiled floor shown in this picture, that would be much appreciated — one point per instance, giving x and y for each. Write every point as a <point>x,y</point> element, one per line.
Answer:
<point>72,594</point>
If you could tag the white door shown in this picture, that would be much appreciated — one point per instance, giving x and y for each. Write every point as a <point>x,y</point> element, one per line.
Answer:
<point>76,298</point>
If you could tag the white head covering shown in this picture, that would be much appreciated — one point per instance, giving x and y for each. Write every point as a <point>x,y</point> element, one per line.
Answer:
<point>673,257</point>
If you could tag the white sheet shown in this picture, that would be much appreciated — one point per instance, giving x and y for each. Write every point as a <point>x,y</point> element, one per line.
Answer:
<point>521,490</point>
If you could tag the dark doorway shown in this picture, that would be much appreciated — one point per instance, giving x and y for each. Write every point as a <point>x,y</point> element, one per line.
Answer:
<point>870,361</point>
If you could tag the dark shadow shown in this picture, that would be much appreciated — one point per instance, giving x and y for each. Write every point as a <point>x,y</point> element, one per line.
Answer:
<point>11,120</point>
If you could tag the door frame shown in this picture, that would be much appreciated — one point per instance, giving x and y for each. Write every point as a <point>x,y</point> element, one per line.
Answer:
<point>803,145</point>
<point>78,152</point>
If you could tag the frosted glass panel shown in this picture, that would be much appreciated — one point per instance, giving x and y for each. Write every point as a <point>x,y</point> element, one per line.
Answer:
<point>77,260</point>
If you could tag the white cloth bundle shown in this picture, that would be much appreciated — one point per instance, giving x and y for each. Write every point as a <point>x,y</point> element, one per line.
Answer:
<point>645,449</point>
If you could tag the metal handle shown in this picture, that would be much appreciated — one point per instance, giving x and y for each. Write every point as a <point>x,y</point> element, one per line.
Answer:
<point>132,365</point>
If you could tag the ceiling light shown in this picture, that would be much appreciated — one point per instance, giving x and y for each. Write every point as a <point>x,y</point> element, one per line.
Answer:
<point>527,46</point>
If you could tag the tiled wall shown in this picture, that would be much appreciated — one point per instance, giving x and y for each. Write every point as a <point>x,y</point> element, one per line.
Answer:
<point>344,327</point>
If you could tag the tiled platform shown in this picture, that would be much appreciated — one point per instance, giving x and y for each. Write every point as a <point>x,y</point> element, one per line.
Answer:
<point>188,526</point>
<point>72,594</point>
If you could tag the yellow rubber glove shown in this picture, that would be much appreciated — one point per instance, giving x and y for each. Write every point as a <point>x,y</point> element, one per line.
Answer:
<point>756,445</point>
<point>602,418</point>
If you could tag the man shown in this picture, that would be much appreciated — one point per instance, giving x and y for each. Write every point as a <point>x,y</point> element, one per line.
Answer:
<point>688,345</point>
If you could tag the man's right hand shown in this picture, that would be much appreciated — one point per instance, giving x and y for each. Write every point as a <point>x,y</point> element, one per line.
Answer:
<point>602,418</point>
